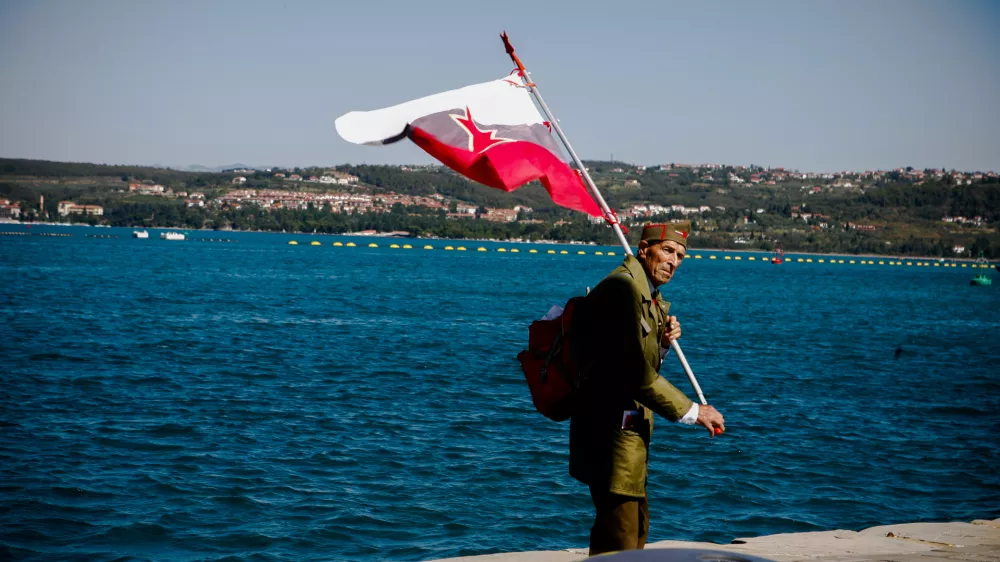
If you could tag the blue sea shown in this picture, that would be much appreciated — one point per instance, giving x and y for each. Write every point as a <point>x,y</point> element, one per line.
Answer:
<point>248,399</point>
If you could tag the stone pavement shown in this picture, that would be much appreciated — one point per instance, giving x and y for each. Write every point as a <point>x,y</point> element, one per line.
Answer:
<point>978,541</point>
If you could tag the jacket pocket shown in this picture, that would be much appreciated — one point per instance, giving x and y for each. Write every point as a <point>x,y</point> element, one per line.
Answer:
<point>628,463</point>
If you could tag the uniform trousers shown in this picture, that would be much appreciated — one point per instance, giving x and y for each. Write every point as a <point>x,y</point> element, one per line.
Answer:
<point>621,523</point>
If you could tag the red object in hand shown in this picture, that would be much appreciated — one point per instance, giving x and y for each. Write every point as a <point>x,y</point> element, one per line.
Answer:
<point>718,431</point>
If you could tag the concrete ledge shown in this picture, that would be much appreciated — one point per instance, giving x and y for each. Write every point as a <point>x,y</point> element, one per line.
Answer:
<point>978,541</point>
<point>537,556</point>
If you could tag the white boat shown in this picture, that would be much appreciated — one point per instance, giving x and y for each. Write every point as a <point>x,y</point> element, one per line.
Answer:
<point>171,236</point>
<point>140,234</point>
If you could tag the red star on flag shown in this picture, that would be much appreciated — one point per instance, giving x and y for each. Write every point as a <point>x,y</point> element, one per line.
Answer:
<point>479,140</point>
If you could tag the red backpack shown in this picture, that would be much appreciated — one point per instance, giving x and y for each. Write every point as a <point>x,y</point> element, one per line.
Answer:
<point>549,366</point>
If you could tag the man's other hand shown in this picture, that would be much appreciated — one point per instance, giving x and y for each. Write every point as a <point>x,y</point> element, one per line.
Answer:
<point>671,332</point>
<point>711,419</point>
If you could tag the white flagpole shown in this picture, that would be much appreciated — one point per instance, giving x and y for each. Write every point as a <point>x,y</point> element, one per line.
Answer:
<point>526,78</point>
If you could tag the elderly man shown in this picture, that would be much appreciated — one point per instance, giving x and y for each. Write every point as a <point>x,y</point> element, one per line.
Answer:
<point>622,334</point>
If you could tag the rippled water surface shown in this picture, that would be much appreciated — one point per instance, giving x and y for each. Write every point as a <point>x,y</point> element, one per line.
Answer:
<point>253,400</point>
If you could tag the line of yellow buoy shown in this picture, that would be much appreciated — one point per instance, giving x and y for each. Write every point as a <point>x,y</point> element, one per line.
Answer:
<point>762,259</point>
<point>453,248</point>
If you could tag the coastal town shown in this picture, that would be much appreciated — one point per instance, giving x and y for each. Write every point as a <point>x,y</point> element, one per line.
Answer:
<point>347,202</point>
<point>332,201</point>
<point>734,206</point>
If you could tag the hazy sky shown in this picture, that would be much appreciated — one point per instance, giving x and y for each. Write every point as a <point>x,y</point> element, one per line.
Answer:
<point>814,85</point>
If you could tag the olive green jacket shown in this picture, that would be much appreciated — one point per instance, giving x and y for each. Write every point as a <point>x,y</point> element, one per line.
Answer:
<point>617,333</point>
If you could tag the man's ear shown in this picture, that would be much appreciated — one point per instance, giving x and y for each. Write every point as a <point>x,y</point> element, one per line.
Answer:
<point>641,252</point>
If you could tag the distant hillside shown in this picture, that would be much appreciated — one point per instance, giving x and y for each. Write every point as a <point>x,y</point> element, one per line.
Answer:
<point>216,169</point>
<point>912,212</point>
<point>49,169</point>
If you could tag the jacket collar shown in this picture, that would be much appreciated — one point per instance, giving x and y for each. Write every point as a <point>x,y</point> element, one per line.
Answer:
<point>638,274</point>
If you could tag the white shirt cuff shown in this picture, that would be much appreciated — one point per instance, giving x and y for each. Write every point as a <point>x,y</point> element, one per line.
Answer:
<point>692,416</point>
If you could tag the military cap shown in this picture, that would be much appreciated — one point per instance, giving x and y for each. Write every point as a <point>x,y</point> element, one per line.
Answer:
<point>677,231</point>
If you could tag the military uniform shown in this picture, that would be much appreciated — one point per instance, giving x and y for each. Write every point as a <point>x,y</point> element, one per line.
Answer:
<point>618,331</point>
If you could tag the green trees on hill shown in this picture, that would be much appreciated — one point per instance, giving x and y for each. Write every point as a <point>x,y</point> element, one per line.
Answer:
<point>933,200</point>
<point>124,174</point>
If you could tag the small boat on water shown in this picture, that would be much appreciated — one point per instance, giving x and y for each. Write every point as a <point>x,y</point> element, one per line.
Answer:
<point>981,278</point>
<point>778,256</point>
<point>171,236</point>
<point>140,234</point>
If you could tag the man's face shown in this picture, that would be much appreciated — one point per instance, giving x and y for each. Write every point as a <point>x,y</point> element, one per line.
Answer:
<point>660,259</point>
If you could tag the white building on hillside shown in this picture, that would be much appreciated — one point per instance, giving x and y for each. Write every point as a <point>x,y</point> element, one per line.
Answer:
<point>70,208</point>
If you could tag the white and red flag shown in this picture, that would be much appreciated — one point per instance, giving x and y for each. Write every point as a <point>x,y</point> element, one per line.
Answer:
<point>491,133</point>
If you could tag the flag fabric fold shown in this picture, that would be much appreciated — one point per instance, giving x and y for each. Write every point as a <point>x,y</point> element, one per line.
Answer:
<point>491,133</point>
